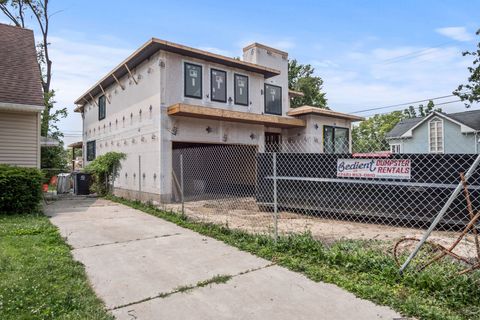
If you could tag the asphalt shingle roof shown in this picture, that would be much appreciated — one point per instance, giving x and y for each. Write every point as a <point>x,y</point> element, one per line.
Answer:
<point>402,127</point>
<point>20,81</point>
<point>469,118</point>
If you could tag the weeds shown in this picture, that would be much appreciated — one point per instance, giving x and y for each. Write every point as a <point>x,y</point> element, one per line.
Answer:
<point>361,267</point>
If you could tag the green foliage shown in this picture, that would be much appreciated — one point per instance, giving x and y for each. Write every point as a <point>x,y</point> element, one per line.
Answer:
<point>38,277</point>
<point>105,169</point>
<point>362,267</point>
<point>53,157</point>
<point>369,135</point>
<point>423,111</point>
<point>301,78</point>
<point>470,92</point>
<point>20,189</point>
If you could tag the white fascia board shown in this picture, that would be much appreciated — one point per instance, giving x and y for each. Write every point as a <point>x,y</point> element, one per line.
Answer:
<point>7,106</point>
<point>463,128</point>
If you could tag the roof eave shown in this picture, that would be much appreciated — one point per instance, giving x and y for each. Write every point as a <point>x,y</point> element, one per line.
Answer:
<point>153,45</point>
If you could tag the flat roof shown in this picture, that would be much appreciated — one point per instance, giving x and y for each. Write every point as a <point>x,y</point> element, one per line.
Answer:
<point>304,110</point>
<point>153,45</point>
<point>194,111</point>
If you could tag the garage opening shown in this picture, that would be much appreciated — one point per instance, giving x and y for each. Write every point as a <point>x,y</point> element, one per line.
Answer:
<point>213,171</point>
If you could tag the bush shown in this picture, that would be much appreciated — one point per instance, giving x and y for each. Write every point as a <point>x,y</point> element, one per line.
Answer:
<point>20,189</point>
<point>104,170</point>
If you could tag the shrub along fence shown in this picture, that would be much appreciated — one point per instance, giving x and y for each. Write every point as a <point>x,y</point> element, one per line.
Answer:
<point>20,189</point>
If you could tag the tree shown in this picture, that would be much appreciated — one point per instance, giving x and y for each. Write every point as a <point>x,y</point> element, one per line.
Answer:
<point>301,78</point>
<point>54,157</point>
<point>369,135</point>
<point>423,111</point>
<point>470,92</point>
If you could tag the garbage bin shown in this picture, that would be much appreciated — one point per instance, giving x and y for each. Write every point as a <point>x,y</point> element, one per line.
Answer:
<point>63,183</point>
<point>81,183</point>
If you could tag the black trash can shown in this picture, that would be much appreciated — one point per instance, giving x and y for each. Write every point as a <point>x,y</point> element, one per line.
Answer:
<point>81,183</point>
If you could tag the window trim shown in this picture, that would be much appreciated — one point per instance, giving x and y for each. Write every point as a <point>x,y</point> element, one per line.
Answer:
<point>399,145</point>
<point>211,87</point>
<point>430,138</point>
<point>185,80</point>
<point>100,108</point>
<point>333,138</point>
<point>94,142</point>
<point>265,99</point>
<point>235,101</point>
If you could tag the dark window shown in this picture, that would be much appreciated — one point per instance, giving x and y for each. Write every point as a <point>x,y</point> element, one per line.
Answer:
<point>218,85</point>
<point>335,140</point>
<point>241,89</point>
<point>91,146</point>
<point>102,108</point>
<point>273,142</point>
<point>193,81</point>
<point>273,99</point>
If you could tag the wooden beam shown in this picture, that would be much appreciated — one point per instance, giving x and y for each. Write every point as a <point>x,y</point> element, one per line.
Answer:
<point>118,82</point>
<point>186,110</point>
<point>130,73</point>
<point>94,101</point>
<point>104,94</point>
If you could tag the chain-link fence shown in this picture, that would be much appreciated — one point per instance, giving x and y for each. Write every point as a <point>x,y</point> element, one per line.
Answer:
<point>293,186</point>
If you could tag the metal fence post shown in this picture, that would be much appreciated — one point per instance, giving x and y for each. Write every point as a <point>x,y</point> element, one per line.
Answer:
<point>181,184</point>
<point>275,202</point>
<point>139,178</point>
<point>440,215</point>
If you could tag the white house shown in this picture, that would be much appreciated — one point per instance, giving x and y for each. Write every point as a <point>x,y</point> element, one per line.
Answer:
<point>167,96</point>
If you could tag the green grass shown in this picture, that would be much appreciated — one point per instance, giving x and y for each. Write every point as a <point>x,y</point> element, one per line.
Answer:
<point>38,277</point>
<point>362,267</point>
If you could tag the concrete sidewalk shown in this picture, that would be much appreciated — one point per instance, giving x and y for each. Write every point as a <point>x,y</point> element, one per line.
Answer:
<point>137,263</point>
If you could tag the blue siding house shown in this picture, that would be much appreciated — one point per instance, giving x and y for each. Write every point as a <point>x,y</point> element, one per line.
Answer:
<point>437,133</point>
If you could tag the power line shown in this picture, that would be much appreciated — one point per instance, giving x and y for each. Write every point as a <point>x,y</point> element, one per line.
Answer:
<point>402,104</point>
<point>415,54</point>
<point>415,108</point>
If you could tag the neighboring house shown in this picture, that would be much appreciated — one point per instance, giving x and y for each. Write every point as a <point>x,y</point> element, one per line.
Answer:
<point>21,98</point>
<point>437,133</point>
<point>167,96</point>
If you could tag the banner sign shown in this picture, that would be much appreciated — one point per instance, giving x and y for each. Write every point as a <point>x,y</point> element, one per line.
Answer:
<point>374,168</point>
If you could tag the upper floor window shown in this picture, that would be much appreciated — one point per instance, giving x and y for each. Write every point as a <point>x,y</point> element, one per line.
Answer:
<point>273,99</point>
<point>395,148</point>
<point>335,140</point>
<point>102,108</point>
<point>241,89</point>
<point>91,150</point>
<point>193,80</point>
<point>435,135</point>
<point>218,85</point>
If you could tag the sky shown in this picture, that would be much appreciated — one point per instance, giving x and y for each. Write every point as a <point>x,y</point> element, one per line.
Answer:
<point>369,53</point>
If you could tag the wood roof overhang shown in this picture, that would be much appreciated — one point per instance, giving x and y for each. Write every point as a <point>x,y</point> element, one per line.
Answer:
<point>194,111</point>
<point>154,45</point>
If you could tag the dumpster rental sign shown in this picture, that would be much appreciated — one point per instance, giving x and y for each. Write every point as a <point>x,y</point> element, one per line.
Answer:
<point>374,168</point>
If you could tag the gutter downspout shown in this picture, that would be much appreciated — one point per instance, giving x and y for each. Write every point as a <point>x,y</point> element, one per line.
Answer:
<point>476,142</point>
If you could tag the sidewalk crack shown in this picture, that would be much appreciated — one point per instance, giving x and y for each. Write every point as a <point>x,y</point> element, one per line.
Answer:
<point>127,241</point>
<point>218,279</point>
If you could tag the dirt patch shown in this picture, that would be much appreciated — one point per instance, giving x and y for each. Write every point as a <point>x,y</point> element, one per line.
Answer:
<point>244,214</point>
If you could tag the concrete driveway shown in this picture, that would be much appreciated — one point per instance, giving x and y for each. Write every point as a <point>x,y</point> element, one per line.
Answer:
<point>139,265</point>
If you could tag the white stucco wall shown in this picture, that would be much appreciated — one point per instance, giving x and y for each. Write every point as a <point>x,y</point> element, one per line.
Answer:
<point>150,134</point>
<point>125,129</point>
